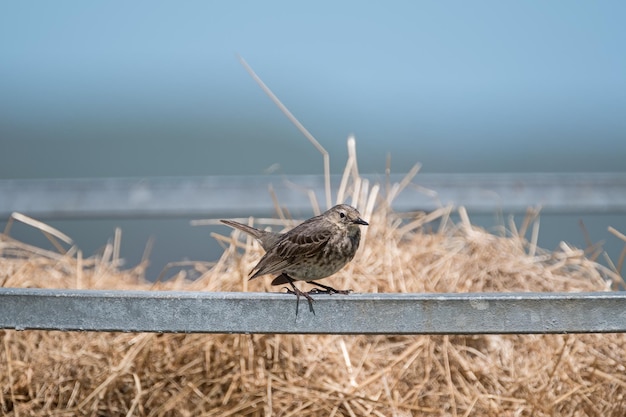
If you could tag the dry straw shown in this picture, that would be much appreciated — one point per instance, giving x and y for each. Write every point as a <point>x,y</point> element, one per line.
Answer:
<point>66,374</point>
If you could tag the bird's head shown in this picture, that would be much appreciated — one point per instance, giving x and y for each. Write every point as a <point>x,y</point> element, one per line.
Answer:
<point>345,215</point>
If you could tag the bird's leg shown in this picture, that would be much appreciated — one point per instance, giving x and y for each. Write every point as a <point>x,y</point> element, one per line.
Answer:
<point>326,289</point>
<point>299,293</point>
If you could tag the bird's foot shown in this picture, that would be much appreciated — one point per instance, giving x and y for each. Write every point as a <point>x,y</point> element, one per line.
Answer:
<point>298,293</point>
<point>325,289</point>
<point>330,291</point>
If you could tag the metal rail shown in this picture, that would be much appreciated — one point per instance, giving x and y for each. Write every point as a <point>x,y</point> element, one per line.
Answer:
<point>236,312</point>
<point>245,195</point>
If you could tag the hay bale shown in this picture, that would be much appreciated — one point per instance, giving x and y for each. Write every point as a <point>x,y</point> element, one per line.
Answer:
<point>57,373</point>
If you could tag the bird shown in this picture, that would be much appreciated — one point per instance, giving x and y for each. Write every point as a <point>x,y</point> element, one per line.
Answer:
<point>314,249</point>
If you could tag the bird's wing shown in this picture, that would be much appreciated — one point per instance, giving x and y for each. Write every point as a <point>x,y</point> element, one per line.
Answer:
<point>303,244</point>
<point>292,249</point>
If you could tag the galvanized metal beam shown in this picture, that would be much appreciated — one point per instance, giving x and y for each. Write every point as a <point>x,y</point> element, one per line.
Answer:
<point>245,195</point>
<point>229,312</point>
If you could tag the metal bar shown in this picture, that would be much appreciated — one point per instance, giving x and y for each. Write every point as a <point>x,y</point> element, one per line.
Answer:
<point>237,312</point>
<point>245,195</point>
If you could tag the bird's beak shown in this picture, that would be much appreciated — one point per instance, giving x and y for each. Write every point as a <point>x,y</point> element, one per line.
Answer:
<point>360,221</point>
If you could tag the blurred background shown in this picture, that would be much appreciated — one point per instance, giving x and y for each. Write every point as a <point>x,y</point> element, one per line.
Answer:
<point>149,88</point>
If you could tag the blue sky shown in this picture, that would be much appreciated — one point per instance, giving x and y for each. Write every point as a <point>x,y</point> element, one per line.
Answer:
<point>459,86</point>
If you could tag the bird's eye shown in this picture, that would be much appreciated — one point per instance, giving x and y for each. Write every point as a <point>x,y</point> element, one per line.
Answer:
<point>342,214</point>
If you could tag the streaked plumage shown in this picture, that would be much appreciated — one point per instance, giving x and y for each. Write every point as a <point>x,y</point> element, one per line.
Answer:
<point>315,249</point>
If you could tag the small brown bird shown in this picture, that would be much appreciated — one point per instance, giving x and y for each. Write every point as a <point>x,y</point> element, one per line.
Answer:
<point>315,249</point>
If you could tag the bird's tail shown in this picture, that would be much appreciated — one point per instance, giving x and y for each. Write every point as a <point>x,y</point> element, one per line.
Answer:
<point>256,233</point>
<point>265,238</point>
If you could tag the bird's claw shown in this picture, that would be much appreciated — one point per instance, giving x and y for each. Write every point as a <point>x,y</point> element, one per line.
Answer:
<point>329,291</point>
<point>298,293</point>
<point>294,290</point>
